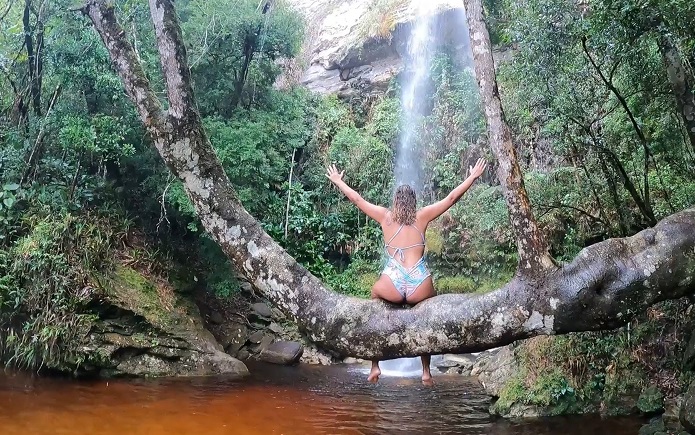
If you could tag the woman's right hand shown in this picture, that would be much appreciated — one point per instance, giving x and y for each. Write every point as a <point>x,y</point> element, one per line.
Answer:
<point>477,170</point>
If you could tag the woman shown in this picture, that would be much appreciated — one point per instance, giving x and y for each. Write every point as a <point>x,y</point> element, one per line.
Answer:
<point>405,278</point>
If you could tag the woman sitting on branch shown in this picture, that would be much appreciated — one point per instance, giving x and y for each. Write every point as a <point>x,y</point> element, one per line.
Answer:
<point>405,278</point>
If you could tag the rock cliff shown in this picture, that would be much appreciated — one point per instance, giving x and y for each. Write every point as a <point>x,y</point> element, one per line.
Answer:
<point>356,47</point>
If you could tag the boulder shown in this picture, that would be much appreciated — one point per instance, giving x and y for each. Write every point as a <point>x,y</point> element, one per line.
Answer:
<point>256,337</point>
<point>262,310</point>
<point>456,364</point>
<point>496,370</point>
<point>282,352</point>
<point>687,414</point>
<point>689,354</point>
<point>655,427</point>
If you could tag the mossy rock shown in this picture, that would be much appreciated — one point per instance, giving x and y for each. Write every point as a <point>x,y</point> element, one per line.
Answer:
<point>655,427</point>
<point>651,400</point>
<point>132,290</point>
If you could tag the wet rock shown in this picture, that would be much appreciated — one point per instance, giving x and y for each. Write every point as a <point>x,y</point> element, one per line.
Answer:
<point>351,360</point>
<point>654,427</point>
<point>243,354</point>
<point>497,370</point>
<point>312,355</point>
<point>282,352</point>
<point>137,333</point>
<point>687,413</point>
<point>689,354</point>
<point>482,360</point>
<point>344,53</point>
<point>266,341</point>
<point>262,310</point>
<point>624,403</point>
<point>461,364</point>
<point>518,410</point>
<point>275,328</point>
<point>256,337</point>
<point>232,335</point>
<point>672,407</point>
<point>216,318</point>
<point>651,400</point>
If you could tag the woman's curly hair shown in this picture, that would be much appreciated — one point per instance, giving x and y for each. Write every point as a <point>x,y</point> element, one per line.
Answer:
<point>404,205</point>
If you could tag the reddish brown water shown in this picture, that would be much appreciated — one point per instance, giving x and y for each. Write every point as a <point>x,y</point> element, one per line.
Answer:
<point>274,400</point>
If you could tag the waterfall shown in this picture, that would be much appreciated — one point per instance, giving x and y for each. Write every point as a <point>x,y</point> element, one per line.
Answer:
<point>408,167</point>
<point>427,34</point>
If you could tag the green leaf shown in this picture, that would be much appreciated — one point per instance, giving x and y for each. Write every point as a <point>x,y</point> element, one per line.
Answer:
<point>11,186</point>
<point>8,202</point>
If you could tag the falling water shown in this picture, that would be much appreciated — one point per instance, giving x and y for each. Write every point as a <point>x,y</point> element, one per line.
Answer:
<point>428,33</point>
<point>408,169</point>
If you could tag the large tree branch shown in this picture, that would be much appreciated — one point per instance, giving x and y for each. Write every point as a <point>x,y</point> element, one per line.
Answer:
<point>603,288</point>
<point>606,285</point>
<point>126,63</point>
<point>531,243</point>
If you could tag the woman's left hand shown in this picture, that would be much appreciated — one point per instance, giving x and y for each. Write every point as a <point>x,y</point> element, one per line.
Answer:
<point>333,174</point>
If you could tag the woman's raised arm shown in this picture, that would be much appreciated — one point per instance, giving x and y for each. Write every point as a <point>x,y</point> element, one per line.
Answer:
<point>373,211</point>
<point>433,211</point>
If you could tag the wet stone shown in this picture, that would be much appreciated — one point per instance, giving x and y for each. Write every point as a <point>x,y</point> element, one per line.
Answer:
<point>282,352</point>
<point>216,318</point>
<point>262,310</point>
<point>266,341</point>
<point>256,337</point>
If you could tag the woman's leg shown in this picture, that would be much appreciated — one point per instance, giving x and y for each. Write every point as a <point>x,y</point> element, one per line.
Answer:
<point>384,289</point>
<point>424,291</point>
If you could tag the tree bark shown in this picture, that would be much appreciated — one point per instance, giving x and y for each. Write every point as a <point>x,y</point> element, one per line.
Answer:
<point>604,287</point>
<point>532,246</point>
<point>34,55</point>
<point>682,84</point>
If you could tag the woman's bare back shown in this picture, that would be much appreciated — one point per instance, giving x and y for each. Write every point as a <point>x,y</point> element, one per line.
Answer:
<point>409,235</point>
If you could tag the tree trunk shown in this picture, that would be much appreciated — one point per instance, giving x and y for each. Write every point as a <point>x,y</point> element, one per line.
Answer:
<point>249,50</point>
<point>34,56</point>
<point>531,244</point>
<point>604,287</point>
<point>682,83</point>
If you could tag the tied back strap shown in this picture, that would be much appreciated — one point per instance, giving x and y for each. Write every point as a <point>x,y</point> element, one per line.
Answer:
<point>400,252</point>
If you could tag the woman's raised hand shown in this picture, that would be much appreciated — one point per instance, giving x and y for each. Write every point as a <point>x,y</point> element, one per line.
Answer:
<point>333,174</point>
<point>477,170</point>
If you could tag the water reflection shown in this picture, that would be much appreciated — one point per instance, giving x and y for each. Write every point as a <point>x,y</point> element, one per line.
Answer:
<point>275,400</point>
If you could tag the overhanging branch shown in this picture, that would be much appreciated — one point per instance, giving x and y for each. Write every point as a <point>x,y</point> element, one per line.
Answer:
<point>603,288</point>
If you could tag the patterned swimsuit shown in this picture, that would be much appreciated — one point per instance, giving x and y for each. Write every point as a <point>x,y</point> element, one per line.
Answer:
<point>406,280</point>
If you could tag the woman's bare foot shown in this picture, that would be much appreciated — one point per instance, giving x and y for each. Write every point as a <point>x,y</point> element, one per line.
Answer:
<point>426,374</point>
<point>374,374</point>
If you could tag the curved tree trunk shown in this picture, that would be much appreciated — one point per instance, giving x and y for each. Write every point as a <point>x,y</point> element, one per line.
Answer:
<point>531,244</point>
<point>604,287</point>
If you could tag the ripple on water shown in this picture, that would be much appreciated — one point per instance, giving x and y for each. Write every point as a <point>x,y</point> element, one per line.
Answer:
<point>274,400</point>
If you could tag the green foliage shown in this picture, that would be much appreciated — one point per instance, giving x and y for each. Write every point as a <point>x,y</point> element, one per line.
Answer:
<point>357,279</point>
<point>233,56</point>
<point>45,284</point>
<point>611,369</point>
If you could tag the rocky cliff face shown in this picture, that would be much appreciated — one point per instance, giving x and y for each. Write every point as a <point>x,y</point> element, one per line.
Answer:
<point>142,327</point>
<point>356,47</point>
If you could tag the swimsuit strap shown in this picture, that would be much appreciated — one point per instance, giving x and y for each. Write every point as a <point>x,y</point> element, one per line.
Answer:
<point>394,235</point>
<point>400,251</point>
